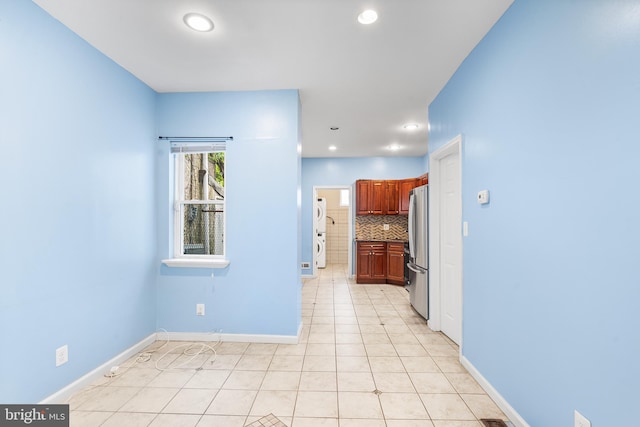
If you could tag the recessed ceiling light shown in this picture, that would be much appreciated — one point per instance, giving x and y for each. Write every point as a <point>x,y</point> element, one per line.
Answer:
<point>198,22</point>
<point>368,17</point>
<point>393,147</point>
<point>411,126</point>
<point>332,148</point>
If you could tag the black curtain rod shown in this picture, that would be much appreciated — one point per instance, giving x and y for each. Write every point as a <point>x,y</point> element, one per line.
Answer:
<point>196,138</point>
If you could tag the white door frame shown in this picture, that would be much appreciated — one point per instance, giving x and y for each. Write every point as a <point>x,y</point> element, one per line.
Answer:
<point>349,231</point>
<point>435,311</point>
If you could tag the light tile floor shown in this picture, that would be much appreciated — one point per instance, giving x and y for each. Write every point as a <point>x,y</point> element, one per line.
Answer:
<point>365,359</point>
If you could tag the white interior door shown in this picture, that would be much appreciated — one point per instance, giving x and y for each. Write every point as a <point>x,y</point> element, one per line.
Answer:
<point>446,240</point>
<point>451,245</point>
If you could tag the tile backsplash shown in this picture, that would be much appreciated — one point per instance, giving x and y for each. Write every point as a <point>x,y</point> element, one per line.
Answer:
<point>370,227</point>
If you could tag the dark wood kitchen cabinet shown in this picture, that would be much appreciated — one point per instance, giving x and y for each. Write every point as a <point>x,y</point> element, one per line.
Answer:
<point>371,262</point>
<point>406,185</point>
<point>370,197</point>
<point>391,202</point>
<point>395,263</point>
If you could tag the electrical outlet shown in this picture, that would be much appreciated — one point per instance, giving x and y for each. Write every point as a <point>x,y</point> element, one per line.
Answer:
<point>579,420</point>
<point>62,355</point>
<point>385,227</point>
<point>199,309</point>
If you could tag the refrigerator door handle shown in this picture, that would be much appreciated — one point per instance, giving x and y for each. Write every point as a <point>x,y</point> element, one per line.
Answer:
<point>415,268</point>
<point>412,241</point>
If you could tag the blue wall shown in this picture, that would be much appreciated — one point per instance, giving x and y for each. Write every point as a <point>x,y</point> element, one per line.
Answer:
<point>345,172</point>
<point>259,293</point>
<point>77,221</point>
<point>548,108</point>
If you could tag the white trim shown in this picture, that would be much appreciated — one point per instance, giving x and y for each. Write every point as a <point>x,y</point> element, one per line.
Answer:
<point>307,276</point>
<point>451,147</point>
<point>350,221</point>
<point>502,403</point>
<point>66,392</point>
<point>251,338</point>
<point>196,263</point>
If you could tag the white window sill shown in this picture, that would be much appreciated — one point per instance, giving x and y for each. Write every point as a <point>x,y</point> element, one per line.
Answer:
<point>195,263</point>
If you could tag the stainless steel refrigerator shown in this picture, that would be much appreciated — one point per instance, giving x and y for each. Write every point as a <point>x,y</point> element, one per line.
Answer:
<point>418,283</point>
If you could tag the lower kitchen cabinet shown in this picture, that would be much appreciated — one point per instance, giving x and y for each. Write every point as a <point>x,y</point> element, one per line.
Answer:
<point>395,263</point>
<point>371,262</point>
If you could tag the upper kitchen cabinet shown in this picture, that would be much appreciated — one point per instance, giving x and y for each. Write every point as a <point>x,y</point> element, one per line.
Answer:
<point>370,197</point>
<point>424,179</point>
<point>406,185</point>
<point>391,197</point>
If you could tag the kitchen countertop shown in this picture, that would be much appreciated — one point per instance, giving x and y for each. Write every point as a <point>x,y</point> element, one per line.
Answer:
<point>383,240</point>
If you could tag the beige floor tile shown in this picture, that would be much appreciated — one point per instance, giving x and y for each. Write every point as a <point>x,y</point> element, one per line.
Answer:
<point>375,338</point>
<point>319,363</point>
<point>87,419</point>
<point>190,401</point>
<point>452,423</point>
<point>386,364</point>
<point>244,380</point>
<point>291,350</point>
<point>482,406</point>
<point>322,328</point>
<point>315,422</point>
<point>222,361</point>
<point>412,350</point>
<point>232,402</point>
<point>405,338</point>
<point>316,404</point>
<point>429,382</point>
<point>173,378</point>
<point>441,350</point>
<point>449,364</point>
<point>393,382</point>
<point>318,381</point>
<point>446,407</point>
<point>259,348</point>
<point>314,349</point>
<point>150,400</point>
<point>286,363</point>
<point>343,320</point>
<point>403,406</point>
<point>175,420</point>
<point>380,350</point>
<point>353,364</point>
<point>208,379</point>
<point>372,329</point>
<point>409,423</point>
<point>348,338</point>
<point>368,320</point>
<point>186,361</point>
<point>347,422</point>
<point>254,362</point>
<point>109,399</point>
<point>129,419</point>
<point>232,348</point>
<point>419,364</point>
<point>464,383</point>
<point>356,381</point>
<point>350,350</point>
<point>320,338</point>
<point>281,380</point>
<point>359,405</point>
<point>222,421</point>
<point>135,377</point>
<point>277,402</point>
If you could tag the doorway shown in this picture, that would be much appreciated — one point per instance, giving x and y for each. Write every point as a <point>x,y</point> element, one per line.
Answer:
<point>335,241</point>
<point>445,180</point>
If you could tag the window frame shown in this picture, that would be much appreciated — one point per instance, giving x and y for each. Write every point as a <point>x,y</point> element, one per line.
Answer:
<point>180,259</point>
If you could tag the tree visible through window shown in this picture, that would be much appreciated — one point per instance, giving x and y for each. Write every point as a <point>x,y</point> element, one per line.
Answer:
<point>200,203</point>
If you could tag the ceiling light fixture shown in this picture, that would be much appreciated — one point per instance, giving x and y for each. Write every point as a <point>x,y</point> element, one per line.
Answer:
<point>411,126</point>
<point>332,148</point>
<point>198,22</point>
<point>394,147</point>
<point>368,17</point>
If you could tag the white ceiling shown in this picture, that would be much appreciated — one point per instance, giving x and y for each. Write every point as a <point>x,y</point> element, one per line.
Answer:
<point>366,80</point>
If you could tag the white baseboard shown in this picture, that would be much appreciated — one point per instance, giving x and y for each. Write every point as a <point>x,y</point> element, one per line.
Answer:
<point>502,403</point>
<point>65,393</point>
<point>210,336</point>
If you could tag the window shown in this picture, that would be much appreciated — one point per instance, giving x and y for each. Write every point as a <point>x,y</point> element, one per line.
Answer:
<point>344,197</point>
<point>199,210</point>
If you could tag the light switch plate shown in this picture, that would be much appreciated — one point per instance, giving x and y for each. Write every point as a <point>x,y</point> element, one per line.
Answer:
<point>483,197</point>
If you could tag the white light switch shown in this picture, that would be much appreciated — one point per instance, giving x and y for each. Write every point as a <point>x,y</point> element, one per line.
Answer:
<point>483,197</point>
